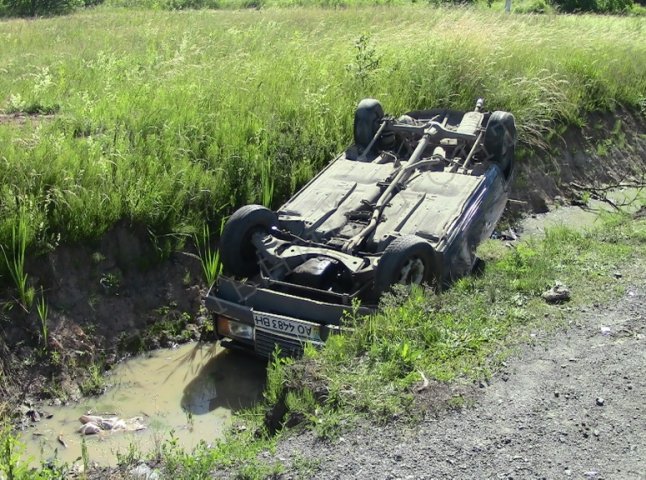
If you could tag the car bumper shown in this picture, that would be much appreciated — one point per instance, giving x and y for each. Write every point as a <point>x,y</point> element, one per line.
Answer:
<point>260,320</point>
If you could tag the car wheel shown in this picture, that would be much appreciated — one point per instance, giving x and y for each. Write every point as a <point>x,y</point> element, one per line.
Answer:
<point>367,118</point>
<point>500,140</point>
<point>237,251</point>
<point>408,260</point>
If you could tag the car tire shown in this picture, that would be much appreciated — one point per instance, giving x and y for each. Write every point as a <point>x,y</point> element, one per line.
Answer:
<point>237,251</point>
<point>407,260</point>
<point>500,140</point>
<point>367,118</point>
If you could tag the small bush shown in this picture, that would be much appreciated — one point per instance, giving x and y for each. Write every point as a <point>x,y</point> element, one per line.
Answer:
<point>34,8</point>
<point>596,6</point>
<point>189,4</point>
<point>438,3</point>
<point>614,6</point>
<point>536,6</point>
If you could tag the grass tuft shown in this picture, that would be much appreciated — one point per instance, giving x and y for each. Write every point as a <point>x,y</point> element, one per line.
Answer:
<point>15,260</point>
<point>209,257</point>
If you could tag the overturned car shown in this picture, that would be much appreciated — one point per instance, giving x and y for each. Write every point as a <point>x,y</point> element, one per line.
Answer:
<point>407,203</point>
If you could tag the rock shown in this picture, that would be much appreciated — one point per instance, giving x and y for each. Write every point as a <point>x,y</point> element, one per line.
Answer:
<point>509,234</point>
<point>194,330</point>
<point>144,472</point>
<point>90,419</point>
<point>600,401</point>
<point>605,331</point>
<point>559,293</point>
<point>89,429</point>
<point>33,415</point>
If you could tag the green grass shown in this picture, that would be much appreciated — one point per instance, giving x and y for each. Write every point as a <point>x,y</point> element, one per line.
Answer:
<point>209,257</point>
<point>173,119</point>
<point>14,260</point>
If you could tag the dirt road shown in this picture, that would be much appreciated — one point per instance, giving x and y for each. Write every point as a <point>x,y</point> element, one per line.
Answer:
<point>573,406</point>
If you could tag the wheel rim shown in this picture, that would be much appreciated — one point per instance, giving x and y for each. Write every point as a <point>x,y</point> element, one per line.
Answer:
<point>412,272</point>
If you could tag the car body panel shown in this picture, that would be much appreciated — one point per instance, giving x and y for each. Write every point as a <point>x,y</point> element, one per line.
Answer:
<point>430,203</point>
<point>337,190</point>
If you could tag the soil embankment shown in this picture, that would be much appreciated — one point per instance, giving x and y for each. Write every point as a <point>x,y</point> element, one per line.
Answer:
<point>609,149</point>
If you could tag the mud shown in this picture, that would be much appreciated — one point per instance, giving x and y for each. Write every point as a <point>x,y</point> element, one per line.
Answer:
<point>22,118</point>
<point>192,391</point>
<point>106,301</point>
<point>582,216</point>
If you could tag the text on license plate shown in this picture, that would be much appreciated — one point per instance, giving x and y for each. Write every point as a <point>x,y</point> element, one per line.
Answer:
<point>287,326</point>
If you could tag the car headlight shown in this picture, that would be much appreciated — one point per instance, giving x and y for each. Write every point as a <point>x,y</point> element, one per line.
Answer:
<point>230,328</point>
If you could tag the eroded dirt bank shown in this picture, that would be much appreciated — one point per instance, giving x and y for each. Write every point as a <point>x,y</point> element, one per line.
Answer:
<point>609,149</point>
<point>105,301</point>
<point>569,406</point>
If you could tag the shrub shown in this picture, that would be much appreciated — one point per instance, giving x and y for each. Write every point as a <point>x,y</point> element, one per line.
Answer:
<point>33,8</point>
<point>597,6</point>
<point>614,6</point>
<point>449,2</point>
<point>536,6</point>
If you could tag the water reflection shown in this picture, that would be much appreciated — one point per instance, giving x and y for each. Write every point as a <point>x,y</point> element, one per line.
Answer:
<point>231,380</point>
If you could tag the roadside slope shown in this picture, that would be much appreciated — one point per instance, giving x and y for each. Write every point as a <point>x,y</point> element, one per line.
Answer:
<point>569,406</point>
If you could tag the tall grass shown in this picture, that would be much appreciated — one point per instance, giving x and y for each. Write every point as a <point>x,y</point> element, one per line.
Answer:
<point>14,257</point>
<point>173,119</point>
<point>267,183</point>
<point>209,257</point>
<point>42,309</point>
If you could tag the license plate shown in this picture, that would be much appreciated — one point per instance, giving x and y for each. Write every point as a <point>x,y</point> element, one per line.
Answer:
<point>287,326</point>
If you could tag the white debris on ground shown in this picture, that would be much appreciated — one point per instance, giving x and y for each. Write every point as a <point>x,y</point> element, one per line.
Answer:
<point>94,424</point>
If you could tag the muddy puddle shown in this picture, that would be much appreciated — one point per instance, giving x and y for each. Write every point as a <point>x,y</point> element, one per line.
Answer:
<point>629,200</point>
<point>191,391</point>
